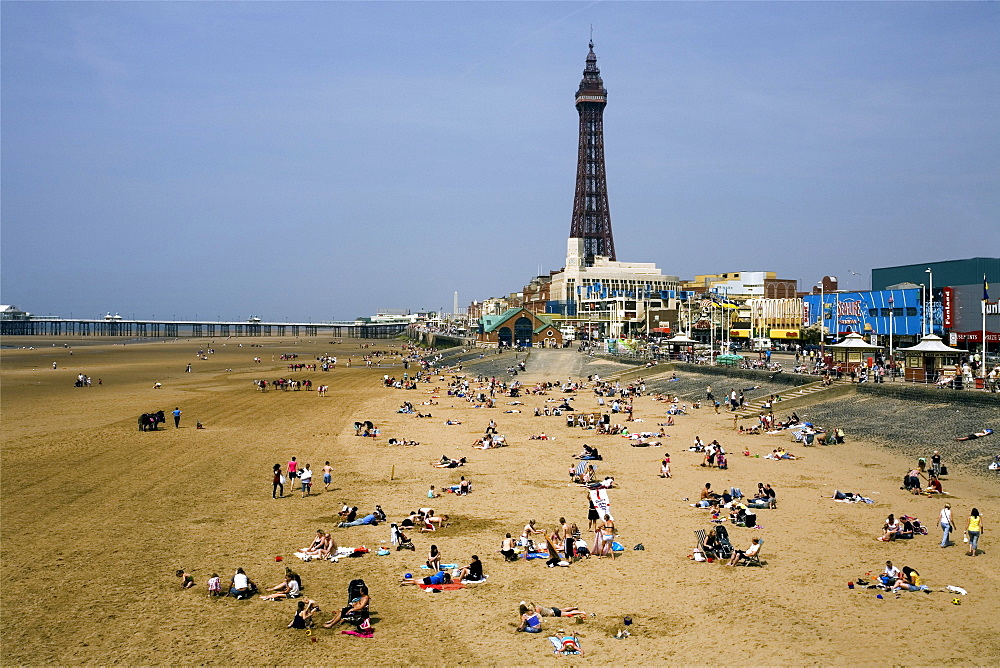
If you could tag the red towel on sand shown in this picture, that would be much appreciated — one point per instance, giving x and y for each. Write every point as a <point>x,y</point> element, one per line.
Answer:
<point>359,634</point>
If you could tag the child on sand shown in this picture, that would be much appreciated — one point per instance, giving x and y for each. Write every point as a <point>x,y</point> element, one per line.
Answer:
<point>665,466</point>
<point>186,580</point>
<point>215,585</point>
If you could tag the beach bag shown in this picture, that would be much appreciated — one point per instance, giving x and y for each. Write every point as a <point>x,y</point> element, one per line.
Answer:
<point>282,480</point>
<point>617,547</point>
<point>944,470</point>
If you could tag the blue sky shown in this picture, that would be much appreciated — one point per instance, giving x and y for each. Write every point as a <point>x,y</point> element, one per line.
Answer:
<point>321,160</point>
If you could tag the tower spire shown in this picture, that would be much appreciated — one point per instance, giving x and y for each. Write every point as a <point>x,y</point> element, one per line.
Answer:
<point>591,214</point>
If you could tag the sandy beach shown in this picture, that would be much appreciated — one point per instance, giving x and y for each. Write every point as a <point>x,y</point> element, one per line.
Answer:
<point>97,516</point>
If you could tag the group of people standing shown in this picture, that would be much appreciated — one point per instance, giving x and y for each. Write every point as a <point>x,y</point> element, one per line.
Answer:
<point>304,475</point>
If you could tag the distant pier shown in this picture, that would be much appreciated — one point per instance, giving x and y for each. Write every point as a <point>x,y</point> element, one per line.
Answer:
<point>195,328</point>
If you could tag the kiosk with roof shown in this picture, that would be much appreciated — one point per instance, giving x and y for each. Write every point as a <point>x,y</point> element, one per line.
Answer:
<point>853,351</point>
<point>928,359</point>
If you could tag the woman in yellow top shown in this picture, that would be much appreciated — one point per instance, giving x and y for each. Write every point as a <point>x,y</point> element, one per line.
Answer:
<point>974,530</point>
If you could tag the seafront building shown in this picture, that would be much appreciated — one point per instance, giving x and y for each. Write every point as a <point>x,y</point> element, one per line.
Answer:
<point>743,285</point>
<point>955,297</point>
<point>594,292</point>
<point>596,296</point>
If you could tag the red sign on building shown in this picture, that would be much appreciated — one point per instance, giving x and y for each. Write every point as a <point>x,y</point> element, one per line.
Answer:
<point>948,307</point>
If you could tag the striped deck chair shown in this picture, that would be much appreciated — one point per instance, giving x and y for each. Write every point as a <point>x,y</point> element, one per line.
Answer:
<point>701,537</point>
<point>580,475</point>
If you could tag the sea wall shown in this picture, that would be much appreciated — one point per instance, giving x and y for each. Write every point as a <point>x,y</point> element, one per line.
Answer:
<point>436,340</point>
<point>788,379</point>
<point>930,395</point>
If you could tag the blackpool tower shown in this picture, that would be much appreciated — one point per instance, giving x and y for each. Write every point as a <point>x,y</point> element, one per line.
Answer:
<point>591,215</point>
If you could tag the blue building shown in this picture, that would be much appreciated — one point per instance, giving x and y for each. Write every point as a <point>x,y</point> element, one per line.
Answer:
<point>880,312</point>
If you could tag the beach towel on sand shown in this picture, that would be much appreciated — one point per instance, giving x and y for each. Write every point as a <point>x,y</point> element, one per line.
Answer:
<point>566,645</point>
<point>360,634</point>
<point>444,567</point>
<point>443,587</point>
<point>341,552</point>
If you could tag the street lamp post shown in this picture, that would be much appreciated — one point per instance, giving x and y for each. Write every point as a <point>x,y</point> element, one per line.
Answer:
<point>930,300</point>
<point>923,304</point>
<point>689,316</point>
<point>822,320</point>
<point>892,314</point>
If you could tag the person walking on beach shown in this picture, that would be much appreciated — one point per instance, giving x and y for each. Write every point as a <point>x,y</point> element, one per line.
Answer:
<point>946,524</point>
<point>305,481</point>
<point>327,476</point>
<point>975,530</point>
<point>277,483</point>
<point>293,468</point>
<point>177,417</point>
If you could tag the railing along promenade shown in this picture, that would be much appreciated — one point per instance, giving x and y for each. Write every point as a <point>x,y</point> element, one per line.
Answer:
<point>747,369</point>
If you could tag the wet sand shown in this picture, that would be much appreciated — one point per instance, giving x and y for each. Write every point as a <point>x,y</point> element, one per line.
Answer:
<point>97,517</point>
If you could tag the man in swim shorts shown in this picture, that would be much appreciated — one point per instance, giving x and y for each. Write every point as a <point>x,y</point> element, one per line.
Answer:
<point>327,476</point>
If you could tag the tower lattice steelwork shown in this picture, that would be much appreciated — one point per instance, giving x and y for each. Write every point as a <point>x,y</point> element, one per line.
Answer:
<point>591,215</point>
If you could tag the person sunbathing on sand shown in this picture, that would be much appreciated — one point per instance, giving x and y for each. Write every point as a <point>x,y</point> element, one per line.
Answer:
<point>531,621</point>
<point>316,545</point>
<point>439,578</point>
<point>890,529</point>
<point>607,483</point>
<point>328,548</point>
<point>473,572</point>
<point>433,559</point>
<point>448,463</point>
<point>665,466</point>
<point>353,612</point>
<point>568,611</point>
<point>933,486</point>
<point>978,434</point>
<point>304,614</point>
<point>739,555</point>
<point>289,588</point>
